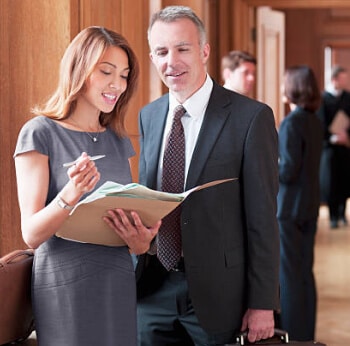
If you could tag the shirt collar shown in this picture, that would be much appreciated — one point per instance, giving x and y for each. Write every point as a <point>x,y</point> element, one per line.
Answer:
<point>196,104</point>
<point>335,92</point>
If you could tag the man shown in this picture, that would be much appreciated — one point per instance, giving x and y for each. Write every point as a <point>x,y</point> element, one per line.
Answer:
<point>238,72</point>
<point>227,276</point>
<point>335,159</point>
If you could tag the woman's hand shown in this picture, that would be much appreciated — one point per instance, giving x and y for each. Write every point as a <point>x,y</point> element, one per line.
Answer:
<point>137,236</point>
<point>84,174</point>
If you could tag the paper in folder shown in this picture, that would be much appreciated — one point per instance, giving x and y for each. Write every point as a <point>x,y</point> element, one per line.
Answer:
<point>340,123</point>
<point>85,223</point>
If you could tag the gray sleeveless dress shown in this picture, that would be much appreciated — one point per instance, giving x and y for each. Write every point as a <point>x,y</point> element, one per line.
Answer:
<point>83,294</point>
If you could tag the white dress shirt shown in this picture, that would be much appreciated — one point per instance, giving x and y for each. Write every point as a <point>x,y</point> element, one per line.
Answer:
<point>192,121</point>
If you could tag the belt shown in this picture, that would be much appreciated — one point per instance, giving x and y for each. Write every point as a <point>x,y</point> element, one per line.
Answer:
<point>179,266</point>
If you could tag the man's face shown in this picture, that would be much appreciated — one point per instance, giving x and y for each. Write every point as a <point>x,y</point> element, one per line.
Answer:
<point>178,57</point>
<point>242,79</point>
<point>341,81</point>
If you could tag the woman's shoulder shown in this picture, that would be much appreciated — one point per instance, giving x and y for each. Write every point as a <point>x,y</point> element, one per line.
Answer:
<point>34,135</point>
<point>38,122</point>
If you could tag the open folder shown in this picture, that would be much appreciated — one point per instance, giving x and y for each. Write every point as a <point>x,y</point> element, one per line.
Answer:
<point>340,123</point>
<point>85,223</point>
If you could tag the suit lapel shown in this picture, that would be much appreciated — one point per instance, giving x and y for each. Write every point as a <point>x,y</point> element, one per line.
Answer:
<point>214,120</point>
<point>154,137</point>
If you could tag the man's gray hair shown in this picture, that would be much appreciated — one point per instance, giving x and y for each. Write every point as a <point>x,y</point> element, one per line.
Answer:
<point>173,13</point>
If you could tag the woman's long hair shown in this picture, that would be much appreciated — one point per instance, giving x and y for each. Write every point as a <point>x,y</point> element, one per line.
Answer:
<point>77,64</point>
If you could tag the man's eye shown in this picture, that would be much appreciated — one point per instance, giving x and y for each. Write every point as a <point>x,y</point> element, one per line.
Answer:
<point>161,53</point>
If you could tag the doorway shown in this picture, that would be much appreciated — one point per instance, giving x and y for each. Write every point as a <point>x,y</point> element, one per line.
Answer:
<point>310,28</point>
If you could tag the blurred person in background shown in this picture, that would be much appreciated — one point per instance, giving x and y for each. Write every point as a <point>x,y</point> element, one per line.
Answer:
<point>335,160</point>
<point>238,72</point>
<point>300,145</point>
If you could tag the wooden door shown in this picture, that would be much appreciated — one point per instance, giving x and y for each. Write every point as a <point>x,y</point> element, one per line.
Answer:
<point>271,59</point>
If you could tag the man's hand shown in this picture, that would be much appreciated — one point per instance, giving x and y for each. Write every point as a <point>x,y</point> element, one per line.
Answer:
<point>136,235</point>
<point>259,324</point>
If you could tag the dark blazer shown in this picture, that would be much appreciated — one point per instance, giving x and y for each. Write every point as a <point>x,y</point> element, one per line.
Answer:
<point>335,159</point>
<point>300,146</point>
<point>229,231</point>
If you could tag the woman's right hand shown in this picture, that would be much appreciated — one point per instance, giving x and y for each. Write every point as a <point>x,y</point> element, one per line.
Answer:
<point>38,220</point>
<point>83,175</point>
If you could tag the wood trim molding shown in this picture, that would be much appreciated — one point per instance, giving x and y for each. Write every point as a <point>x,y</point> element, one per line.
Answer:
<point>300,3</point>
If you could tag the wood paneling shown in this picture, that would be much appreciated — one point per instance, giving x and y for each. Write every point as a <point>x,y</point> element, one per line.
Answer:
<point>33,36</point>
<point>131,22</point>
<point>299,3</point>
<point>307,40</point>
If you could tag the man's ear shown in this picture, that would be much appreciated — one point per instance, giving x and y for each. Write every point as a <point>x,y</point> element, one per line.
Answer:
<point>206,52</point>
<point>226,73</point>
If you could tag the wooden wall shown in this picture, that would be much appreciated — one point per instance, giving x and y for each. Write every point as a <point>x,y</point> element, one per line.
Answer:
<point>34,35</point>
<point>306,39</point>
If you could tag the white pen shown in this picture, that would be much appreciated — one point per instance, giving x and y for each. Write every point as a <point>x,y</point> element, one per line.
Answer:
<point>92,158</point>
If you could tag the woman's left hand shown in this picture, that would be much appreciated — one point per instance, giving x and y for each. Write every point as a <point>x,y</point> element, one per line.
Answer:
<point>136,235</point>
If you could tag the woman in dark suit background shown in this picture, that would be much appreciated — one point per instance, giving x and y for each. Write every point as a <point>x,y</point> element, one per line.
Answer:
<point>300,145</point>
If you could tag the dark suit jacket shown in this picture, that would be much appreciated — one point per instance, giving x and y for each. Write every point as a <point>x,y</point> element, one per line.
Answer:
<point>335,159</point>
<point>229,231</point>
<point>300,146</point>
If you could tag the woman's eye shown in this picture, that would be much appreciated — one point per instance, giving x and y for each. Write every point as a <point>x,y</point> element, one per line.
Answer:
<point>105,72</point>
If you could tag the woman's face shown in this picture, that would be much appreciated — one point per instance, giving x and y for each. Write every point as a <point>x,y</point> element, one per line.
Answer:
<point>107,81</point>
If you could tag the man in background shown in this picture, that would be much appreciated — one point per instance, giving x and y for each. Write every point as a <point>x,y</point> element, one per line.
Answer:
<point>238,72</point>
<point>335,160</point>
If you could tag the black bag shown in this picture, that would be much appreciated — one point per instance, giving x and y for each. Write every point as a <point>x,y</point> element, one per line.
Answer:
<point>280,338</point>
<point>16,317</point>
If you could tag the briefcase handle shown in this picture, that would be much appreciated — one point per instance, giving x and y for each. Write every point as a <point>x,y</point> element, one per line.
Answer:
<point>283,336</point>
<point>15,256</point>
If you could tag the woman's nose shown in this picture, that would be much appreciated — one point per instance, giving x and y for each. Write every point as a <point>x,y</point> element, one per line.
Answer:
<point>116,84</point>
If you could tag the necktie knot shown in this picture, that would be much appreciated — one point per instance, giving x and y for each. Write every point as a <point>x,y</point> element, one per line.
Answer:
<point>179,111</point>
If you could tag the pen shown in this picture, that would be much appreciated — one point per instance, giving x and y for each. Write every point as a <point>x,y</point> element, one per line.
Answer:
<point>92,158</point>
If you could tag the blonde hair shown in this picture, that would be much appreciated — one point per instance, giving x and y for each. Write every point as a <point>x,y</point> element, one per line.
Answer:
<point>77,64</point>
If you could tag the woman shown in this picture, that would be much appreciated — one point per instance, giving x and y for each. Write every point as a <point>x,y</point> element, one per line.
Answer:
<point>300,145</point>
<point>83,294</point>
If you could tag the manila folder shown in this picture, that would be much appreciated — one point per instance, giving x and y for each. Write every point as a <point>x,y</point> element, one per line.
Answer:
<point>340,123</point>
<point>85,223</point>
